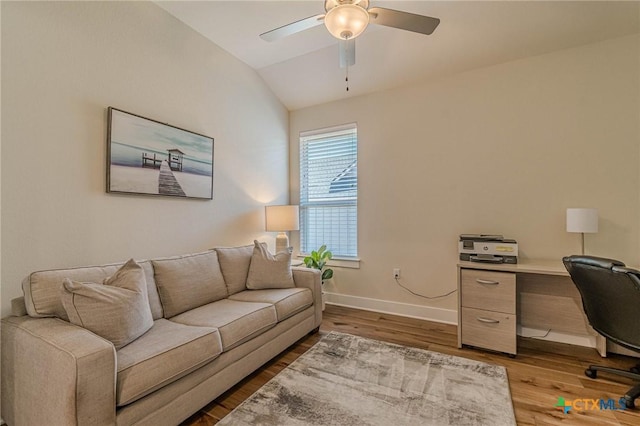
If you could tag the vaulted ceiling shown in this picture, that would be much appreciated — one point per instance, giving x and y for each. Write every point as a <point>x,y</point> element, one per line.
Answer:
<point>303,69</point>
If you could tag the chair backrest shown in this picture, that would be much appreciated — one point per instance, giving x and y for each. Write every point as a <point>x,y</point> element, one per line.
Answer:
<point>610,297</point>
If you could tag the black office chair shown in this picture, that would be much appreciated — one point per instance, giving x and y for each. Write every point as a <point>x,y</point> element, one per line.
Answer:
<point>611,299</point>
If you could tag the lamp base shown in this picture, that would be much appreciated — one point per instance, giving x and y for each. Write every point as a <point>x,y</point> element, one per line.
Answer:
<point>282,242</point>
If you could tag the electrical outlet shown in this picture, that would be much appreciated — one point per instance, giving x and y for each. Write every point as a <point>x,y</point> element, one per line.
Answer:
<point>396,273</point>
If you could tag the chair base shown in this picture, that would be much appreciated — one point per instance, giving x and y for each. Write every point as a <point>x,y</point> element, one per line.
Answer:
<point>633,373</point>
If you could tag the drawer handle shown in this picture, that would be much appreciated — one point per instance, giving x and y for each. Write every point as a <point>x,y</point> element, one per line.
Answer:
<point>488,320</point>
<point>481,281</point>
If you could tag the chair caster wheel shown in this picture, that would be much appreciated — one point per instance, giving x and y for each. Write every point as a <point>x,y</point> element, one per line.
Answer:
<point>590,373</point>
<point>629,402</point>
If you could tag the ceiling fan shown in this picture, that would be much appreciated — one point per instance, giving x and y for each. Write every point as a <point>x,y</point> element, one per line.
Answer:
<point>347,19</point>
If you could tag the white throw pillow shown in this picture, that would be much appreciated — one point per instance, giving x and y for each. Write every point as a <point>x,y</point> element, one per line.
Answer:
<point>269,271</point>
<point>117,310</point>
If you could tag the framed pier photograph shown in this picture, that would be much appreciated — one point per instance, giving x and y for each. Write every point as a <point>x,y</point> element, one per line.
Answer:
<point>148,157</point>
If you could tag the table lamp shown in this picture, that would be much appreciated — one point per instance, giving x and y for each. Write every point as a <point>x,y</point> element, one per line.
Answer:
<point>582,221</point>
<point>282,219</point>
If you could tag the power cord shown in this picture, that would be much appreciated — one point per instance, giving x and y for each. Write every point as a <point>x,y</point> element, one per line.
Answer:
<point>451,292</point>
<point>539,337</point>
<point>421,295</point>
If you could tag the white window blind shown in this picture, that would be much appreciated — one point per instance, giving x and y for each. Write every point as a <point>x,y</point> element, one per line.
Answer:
<point>329,190</point>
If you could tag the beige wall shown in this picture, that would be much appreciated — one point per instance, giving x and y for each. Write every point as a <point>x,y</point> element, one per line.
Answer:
<point>63,64</point>
<point>504,149</point>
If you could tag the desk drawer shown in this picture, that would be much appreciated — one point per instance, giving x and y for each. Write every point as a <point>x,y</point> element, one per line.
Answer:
<point>494,291</point>
<point>489,330</point>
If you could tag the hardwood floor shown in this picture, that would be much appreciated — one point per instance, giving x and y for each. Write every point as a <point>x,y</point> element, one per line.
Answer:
<point>542,371</point>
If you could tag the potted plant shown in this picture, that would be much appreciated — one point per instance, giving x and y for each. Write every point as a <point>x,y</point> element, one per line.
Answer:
<point>318,260</point>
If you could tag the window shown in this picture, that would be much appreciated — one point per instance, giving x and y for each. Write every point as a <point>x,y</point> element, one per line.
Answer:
<point>329,190</point>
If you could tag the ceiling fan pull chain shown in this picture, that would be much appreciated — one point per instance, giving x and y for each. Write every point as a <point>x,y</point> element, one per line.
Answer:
<point>347,78</point>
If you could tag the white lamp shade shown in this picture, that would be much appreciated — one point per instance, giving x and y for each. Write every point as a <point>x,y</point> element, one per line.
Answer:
<point>282,218</point>
<point>582,220</point>
<point>346,21</point>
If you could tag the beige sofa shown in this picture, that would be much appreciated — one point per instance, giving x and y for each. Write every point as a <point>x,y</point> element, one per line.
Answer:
<point>210,328</point>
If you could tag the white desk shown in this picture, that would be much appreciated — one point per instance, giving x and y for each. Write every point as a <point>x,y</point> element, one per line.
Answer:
<point>493,298</point>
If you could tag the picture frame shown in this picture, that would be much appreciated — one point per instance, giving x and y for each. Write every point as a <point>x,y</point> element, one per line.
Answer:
<point>147,157</point>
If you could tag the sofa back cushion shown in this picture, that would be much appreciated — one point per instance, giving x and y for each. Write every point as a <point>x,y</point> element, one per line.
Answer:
<point>42,289</point>
<point>116,309</point>
<point>234,263</point>
<point>186,282</point>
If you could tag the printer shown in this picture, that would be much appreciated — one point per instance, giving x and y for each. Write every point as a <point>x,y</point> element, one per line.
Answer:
<point>487,248</point>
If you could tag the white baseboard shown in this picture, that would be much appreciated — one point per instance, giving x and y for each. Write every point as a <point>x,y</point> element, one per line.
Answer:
<point>447,316</point>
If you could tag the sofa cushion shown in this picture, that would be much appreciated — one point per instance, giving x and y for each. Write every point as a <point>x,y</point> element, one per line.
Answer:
<point>42,289</point>
<point>287,301</point>
<point>236,321</point>
<point>186,282</point>
<point>117,310</point>
<point>234,263</point>
<point>152,289</point>
<point>167,352</point>
<point>269,271</point>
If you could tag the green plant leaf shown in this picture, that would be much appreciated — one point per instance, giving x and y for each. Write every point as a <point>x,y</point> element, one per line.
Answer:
<point>318,259</point>
<point>327,274</point>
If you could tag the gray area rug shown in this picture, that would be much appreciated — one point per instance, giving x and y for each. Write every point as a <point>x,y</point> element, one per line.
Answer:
<point>350,380</point>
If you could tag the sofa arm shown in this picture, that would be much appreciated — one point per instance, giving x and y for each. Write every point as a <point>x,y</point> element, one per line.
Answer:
<point>54,371</point>
<point>312,279</point>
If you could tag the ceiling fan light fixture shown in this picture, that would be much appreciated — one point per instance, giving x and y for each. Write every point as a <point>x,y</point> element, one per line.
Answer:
<point>346,21</point>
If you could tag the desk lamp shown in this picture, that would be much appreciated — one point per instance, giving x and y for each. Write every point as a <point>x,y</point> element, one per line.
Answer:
<point>582,221</point>
<point>282,219</point>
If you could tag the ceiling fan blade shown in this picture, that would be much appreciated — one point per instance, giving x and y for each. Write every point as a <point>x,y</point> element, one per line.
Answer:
<point>403,20</point>
<point>347,53</point>
<point>292,28</point>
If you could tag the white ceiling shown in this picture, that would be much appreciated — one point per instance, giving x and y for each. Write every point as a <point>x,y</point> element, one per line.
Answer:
<point>303,69</point>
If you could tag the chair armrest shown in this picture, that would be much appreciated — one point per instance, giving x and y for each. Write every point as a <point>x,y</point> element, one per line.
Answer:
<point>312,279</point>
<point>54,371</point>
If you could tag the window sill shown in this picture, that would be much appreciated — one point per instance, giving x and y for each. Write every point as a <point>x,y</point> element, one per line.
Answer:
<point>340,262</point>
